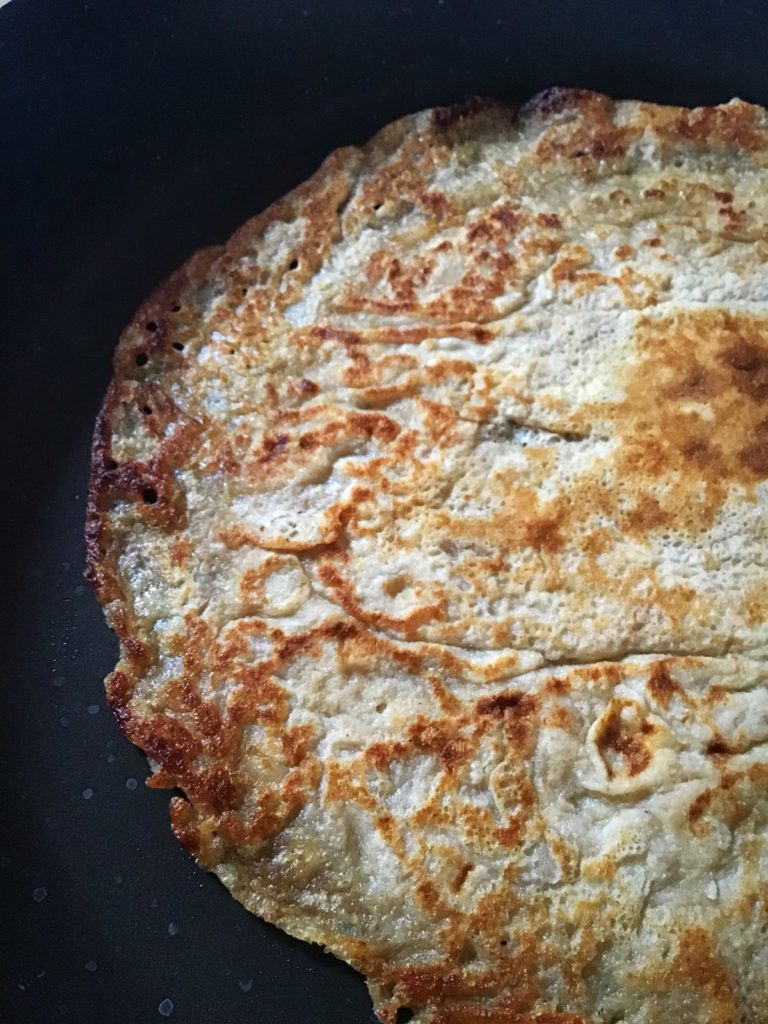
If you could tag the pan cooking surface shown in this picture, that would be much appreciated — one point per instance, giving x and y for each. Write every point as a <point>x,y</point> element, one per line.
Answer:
<point>132,134</point>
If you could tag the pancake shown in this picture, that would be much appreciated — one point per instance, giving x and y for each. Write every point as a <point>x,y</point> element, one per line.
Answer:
<point>430,512</point>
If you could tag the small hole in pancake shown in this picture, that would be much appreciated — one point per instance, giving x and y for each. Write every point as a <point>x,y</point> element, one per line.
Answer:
<point>178,346</point>
<point>381,706</point>
<point>151,325</point>
<point>176,308</point>
<point>503,942</point>
<point>111,464</point>
<point>468,952</point>
<point>293,265</point>
<point>142,359</point>
<point>148,410</point>
<point>404,1014</point>
<point>377,207</point>
<point>231,351</point>
<point>461,876</point>
<point>149,494</point>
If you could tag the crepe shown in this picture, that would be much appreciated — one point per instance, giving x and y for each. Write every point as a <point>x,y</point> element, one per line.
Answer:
<point>430,512</point>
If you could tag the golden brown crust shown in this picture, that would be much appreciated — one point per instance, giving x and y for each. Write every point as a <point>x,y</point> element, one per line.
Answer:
<point>430,514</point>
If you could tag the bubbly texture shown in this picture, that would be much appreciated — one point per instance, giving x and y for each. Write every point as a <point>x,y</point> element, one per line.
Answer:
<point>430,512</point>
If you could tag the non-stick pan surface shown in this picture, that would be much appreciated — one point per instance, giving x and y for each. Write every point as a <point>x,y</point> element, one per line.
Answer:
<point>130,134</point>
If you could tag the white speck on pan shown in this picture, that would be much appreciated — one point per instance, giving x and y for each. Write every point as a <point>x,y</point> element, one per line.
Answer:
<point>93,709</point>
<point>39,894</point>
<point>91,965</point>
<point>131,784</point>
<point>87,793</point>
<point>173,929</point>
<point>165,1009</point>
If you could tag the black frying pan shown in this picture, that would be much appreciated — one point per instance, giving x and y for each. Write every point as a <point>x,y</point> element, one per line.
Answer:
<point>130,134</point>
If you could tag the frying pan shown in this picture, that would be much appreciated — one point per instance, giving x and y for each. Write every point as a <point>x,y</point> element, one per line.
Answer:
<point>132,133</point>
